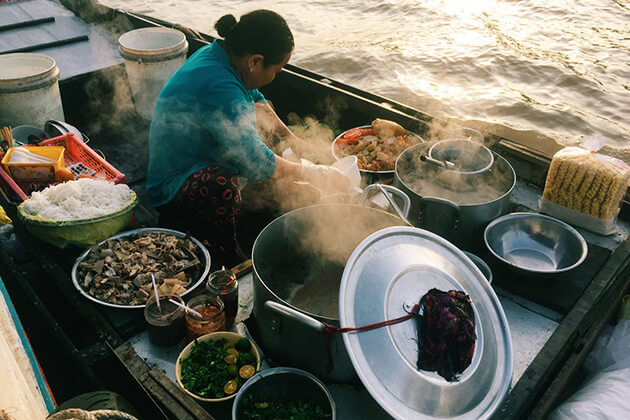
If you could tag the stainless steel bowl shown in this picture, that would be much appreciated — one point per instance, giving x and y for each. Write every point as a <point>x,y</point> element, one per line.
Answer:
<point>286,384</point>
<point>202,253</point>
<point>533,243</point>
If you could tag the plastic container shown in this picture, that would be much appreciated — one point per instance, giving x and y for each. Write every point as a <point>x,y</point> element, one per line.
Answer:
<point>79,152</point>
<point>35,171</point>
<point>166,324</point>
<point>29,89</point>
<point>213,319</point>
<point>151,57</point>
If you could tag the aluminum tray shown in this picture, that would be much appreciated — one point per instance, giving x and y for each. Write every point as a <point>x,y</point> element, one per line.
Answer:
<point>204,257</point>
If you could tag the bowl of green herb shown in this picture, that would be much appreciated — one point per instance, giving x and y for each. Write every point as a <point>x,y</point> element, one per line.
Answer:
<point>283,393</point>
<point>215,366</point>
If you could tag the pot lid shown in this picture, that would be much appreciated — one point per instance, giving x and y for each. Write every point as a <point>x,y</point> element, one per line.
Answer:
<point>385,276</point>
<point>428,179</point>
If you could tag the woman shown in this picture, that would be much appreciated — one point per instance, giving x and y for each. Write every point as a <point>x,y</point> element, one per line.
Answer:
<point>203,132</point>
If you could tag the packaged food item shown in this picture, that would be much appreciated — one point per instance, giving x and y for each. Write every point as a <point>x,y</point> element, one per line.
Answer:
<point>585,188</point>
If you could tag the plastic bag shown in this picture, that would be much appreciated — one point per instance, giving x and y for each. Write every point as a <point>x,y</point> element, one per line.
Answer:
<point>585,188</point>
<point>604,394</point>
<point>4,219</point>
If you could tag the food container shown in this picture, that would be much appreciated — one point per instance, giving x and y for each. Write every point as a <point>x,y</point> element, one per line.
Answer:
<point>165,324</point>
<point>456,206</point>
<point>223,283</point>
<point>283,385</point>
<point>199,274</point>
<point>535,245</point>
<point>35,171</point>
<point>81,232</point>
<point>213,316</point>
<point>232,341</point>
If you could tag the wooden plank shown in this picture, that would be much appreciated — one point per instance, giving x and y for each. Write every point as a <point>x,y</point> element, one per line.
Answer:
<point>178,404</point>
<point>607,308</point>
<point>191,405</point>
<point>541,372</point>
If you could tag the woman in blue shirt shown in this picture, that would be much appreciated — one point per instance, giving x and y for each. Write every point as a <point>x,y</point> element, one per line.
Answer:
<point>203,132</point>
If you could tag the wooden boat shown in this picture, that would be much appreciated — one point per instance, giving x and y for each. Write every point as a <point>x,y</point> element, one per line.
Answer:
<point>561,319</point>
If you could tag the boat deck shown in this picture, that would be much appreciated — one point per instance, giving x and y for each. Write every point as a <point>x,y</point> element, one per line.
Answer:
<point>553,323</point>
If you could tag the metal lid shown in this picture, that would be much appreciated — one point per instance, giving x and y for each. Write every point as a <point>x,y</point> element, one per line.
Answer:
<point>385,276</point>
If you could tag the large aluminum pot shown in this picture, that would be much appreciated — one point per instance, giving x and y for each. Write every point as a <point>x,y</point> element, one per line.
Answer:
<point>298,261</point>
<point>455,206</point>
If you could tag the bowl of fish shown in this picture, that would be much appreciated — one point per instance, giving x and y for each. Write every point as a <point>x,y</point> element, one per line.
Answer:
<point>535,244</point>
<point>119,271</point>
<point>376,146</point>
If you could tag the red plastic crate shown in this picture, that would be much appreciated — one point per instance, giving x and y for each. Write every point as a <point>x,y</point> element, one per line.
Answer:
<point>75,151</point>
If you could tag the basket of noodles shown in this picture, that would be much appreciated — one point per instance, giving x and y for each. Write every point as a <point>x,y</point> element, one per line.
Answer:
<point>82,212</point>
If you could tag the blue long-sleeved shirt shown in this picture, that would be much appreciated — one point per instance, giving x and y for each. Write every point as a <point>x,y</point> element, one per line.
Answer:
<point>204,116</point>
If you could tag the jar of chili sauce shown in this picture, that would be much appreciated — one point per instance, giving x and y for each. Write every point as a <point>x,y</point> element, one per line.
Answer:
<point>223,283</point>
<point>211,319</point>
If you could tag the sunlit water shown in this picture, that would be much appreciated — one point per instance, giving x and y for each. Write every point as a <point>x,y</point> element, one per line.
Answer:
<point>537,68</point>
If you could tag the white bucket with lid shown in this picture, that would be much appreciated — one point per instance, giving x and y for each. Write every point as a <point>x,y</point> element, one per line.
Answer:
<point>29,90</point>
<point>151,56</point>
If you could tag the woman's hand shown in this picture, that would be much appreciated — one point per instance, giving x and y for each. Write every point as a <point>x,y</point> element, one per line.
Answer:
<point>327,179</point>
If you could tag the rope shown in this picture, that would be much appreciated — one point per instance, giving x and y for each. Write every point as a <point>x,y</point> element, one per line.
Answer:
<point>331,330</point>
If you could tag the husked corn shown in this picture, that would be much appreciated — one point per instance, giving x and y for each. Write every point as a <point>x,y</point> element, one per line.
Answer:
<point>587,182</point>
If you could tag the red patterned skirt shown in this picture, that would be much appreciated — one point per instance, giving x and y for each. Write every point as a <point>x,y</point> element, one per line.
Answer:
<point>207,206</point>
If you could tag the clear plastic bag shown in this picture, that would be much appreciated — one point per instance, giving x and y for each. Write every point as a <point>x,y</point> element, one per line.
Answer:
<point>585,189</point>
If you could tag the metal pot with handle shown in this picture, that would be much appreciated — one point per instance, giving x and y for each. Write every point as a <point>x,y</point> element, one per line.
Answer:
<point>298,260</point>
<point>454,204</point>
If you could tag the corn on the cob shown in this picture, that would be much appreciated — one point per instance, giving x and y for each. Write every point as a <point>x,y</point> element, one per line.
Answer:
<point>583,181</point>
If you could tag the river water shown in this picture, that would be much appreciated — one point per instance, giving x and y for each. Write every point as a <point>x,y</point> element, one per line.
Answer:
<point>537,71</point>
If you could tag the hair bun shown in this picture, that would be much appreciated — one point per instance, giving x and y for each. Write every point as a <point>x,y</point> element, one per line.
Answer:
<point>225,25</point>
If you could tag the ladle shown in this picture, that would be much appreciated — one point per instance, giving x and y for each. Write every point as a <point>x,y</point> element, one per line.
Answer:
<point>444,164</point>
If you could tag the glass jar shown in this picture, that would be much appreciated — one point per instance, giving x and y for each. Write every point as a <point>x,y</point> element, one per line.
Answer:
<point>223,283</point>
<point>212,316</point>
<point>166,324</point>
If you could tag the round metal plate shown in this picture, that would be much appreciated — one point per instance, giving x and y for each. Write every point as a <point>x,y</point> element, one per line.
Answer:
<point>333,146</point>
<point>385,276</point>
<point>204,257</point>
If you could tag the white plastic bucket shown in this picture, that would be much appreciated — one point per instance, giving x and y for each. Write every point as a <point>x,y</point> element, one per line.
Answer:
<point>151,56</point>
<point>29,90</point>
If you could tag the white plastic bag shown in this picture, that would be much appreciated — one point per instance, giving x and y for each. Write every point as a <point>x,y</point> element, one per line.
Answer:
<point>606,393</point>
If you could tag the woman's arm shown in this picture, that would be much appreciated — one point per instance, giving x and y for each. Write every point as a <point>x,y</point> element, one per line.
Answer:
<point>272,127</point>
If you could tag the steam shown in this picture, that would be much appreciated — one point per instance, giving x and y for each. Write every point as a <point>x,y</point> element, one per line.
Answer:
<point>302,255</point>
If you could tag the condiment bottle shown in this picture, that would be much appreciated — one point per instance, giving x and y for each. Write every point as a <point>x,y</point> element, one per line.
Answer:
<point>223,283</point>
<point>212,316</point>
<point>165,324</point>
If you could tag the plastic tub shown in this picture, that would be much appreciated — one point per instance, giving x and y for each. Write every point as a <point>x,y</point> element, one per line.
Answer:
<point>29,90</point>
<point>151,56</point>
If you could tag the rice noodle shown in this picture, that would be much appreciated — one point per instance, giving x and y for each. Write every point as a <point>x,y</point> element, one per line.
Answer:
<point>80,199</point>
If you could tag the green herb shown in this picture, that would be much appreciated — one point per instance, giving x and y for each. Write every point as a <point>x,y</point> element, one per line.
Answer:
<point>270,408</point>
<point>205,372</point>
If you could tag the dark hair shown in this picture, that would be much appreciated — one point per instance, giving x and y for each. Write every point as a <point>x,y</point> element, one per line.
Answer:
<point>259,32</point>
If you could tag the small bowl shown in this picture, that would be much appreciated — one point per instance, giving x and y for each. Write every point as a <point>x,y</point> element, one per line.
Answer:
<point>533,243</point>
<point>231,338</point>
<point>285,383</point>
<point>467,157</point>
